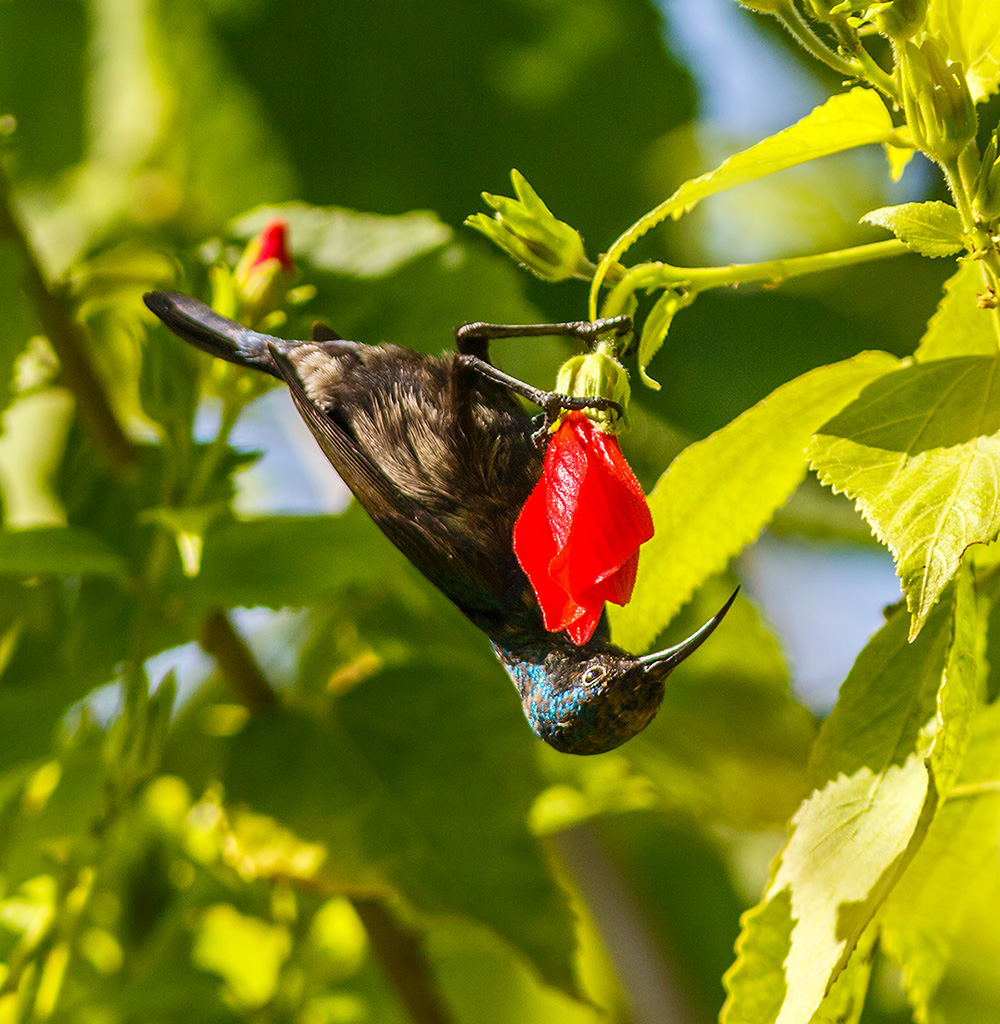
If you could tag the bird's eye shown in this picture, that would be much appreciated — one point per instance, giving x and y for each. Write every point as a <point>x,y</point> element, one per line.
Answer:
<point>593,675</point>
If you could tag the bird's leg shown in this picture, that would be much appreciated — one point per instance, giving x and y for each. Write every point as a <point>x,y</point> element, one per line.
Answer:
<point>474,339</point>
<point>552,403</point>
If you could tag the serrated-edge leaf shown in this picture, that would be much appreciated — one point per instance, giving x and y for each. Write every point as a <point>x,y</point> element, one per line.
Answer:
<point>926,910</point>
<point>872,805</point>
<point>845,121</point>
<point>719,493</point>
<point>919,452</point>
<point>960,326</point>
<point>57,551</point>
<point>931,229</point>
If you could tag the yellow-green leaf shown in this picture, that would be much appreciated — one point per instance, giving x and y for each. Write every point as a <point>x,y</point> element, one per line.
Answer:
<point>845,121</point>
<point>960,326</point>
<point>719,493</point>
<point>931,229</point>
<point>919,452</point>
<point>903,707</point>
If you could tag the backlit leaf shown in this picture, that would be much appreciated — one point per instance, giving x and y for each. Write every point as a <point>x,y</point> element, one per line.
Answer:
<point>957,865</point>
<point>919,451</point>
<point>931,229</point>
<point>845,121</point>
<point>903,709</point>
<point>960,326</point>
<point>719,493</point>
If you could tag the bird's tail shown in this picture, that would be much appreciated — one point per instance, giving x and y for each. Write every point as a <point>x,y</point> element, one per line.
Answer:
<point>211,332</point>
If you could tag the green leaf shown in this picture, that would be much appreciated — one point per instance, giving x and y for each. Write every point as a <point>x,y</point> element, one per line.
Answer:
<point>419,779</point>
<point>364,245</point>
<point>286,561</point>
<point>654,330</point>
<point>902,710</point>
<point>719,493</point>
<point>730,744</point>
<point>960,326</point>
<point>57,551</point>
<point>851,119</point>
<point>918,451</point>
<point>845,121</point>
<point>956,866</point>
<point>970,32</point>
<point>931,229</point>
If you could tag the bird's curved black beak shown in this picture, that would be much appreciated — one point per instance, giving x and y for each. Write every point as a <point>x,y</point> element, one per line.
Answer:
<point>659,663</point>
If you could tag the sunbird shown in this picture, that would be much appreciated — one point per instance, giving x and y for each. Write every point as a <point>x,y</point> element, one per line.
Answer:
<point>443,457</point>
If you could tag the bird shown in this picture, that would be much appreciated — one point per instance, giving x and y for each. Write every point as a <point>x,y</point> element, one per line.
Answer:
<point>442,456</point>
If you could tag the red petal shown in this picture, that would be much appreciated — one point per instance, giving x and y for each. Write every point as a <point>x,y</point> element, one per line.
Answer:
<point>577,537</point>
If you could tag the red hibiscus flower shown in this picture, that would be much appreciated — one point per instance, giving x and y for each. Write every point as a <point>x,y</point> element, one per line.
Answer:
<point>577,537</point>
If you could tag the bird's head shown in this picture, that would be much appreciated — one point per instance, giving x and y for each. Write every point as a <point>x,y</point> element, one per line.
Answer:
<point>591,699</point>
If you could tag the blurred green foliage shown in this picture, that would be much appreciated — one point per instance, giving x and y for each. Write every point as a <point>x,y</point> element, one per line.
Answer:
<point>372,832</point>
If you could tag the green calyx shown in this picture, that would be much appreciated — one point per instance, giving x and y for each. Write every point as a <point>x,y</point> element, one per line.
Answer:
<point>526,229</point>
<point>939,107</point>
<point>898,19</point>
<point>598,374</point>
<point>986,190</point>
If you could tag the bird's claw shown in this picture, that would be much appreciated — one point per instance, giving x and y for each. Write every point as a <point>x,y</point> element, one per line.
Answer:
<point>556,404</point>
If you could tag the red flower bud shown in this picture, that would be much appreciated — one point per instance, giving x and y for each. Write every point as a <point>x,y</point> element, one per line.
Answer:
<point>578,536</point>
<point>273,245</point>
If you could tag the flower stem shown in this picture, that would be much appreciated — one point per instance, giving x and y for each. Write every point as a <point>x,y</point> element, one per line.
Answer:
<point>803,33</point>
<point>66,337</point>
<point>698,279</point>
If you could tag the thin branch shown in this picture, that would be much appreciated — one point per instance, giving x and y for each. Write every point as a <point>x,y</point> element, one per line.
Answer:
<point>237,664</point>
<point>401,953</point>
<point>67,339</point>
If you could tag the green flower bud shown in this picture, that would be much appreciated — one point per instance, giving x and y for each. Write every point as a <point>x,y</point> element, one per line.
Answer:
<point>898,19</point>
<point>986,190</point>
<point>525,228</point>
<point>596,375</point>
<point>936,98</point>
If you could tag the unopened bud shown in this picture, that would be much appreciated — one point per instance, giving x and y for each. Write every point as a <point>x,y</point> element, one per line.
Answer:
<point>986,190</point>
<point>264,273</point>
<point>936,98</point>
<point>526,229</point>
<point>898,19</point>
<point>597,375</point>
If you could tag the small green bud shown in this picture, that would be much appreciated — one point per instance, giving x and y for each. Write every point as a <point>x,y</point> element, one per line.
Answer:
<point>986,190</point>
<point>526,229</point>
<point>936,98</point>
<point>596,375</point>
<point>898,19</point>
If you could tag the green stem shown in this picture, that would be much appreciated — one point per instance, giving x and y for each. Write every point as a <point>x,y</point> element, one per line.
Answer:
<point>236,662</point>
<point>699,279</point>
<point>956,174</point>
<point>66,337</point>
<point>401,953</point>
<point>804,34</point>
<point>989,787</point>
